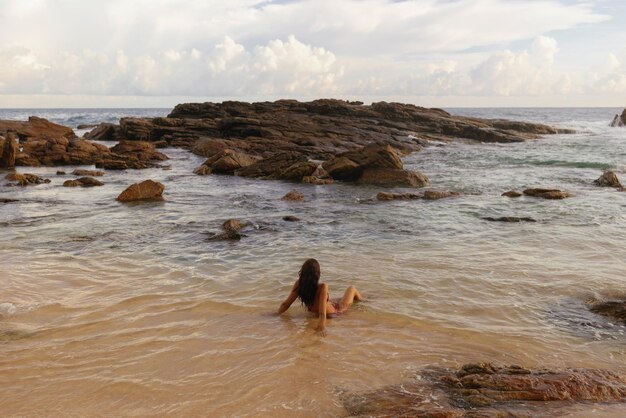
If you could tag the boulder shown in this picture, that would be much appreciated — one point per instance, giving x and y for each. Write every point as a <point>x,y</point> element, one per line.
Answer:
<point>90,173</point>
<point>298,171</point>
<point>291,218</point>
<point>614,309</point>
<point>512,193</point>
<point>103,132</point>
<point>317,180</point>
<point>293,196</point>
<point>138,150</point>
<point>512,219</point>
<point>233,225</point>
<point>608,179</point>
<point>488,390</point>
<point>25,179</point>
<point>553,194</point>
<point>146,190</point>
<point>60,173</point>
<point>37,129</point>
<point>83,182</point>
<point>8,150</point>
<point>385,196</point>
<point>438,194</point>
<point>619,120</point>
<point>86,126</point>
<point>225,161</point>
<point>390,177</point>
<point>350,166</point>
<point>208,147</point>
<point>229,235</point>
<point>272,167</point>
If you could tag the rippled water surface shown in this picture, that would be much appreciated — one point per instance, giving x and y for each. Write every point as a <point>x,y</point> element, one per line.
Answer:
<point>127,309</point>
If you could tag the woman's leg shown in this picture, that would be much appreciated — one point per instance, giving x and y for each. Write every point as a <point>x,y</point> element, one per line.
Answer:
<point>349,296</point>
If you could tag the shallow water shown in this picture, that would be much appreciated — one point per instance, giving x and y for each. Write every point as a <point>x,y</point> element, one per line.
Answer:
<point>126,309</point>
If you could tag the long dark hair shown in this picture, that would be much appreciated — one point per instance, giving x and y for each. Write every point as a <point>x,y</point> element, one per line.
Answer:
<point>307,283</point>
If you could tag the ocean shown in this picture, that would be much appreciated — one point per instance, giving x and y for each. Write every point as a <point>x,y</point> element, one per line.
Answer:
<point>110,309</point>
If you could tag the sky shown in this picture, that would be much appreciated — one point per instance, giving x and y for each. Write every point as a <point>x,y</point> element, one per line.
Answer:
<point>444,53</point>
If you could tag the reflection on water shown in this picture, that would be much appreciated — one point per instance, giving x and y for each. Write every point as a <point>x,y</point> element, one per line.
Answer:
<point>117,309</point>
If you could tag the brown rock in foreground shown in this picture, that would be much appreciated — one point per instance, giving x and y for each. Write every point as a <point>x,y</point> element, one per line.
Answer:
<point>146,190</point>
<point>553,194</point>
<point>8,150</point>
<point>608,179</point>
<point>486,390</point>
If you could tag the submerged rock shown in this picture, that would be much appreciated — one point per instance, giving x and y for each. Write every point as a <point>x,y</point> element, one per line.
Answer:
<point>233,225</point>
<point>512,219</point>
<point>5,200</point>
<point>83,182</point>
<point>90,173</point>
<point>8,150</point>
<point>291,218</point>
<point>229,235</point>
<point>293,196</point>
<point>512,193</point>
<point>438,194</point>
<point>25,179</point>
<point>608,179</point>
<point>553,194</point>
<point>386,196</point>
<point>612,309</point>
<point>146,190</point>
<point>487,390</point>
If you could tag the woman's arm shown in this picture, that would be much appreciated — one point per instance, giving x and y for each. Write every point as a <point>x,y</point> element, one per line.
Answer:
<point>293,295</point>
<point>322,301</point>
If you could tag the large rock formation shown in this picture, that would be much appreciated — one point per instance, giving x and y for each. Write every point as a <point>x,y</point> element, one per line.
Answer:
<point>619,120</point>
<point>8,150</point>
<point>608,179</point>
<point>486,390</point>
<point>36,129</point>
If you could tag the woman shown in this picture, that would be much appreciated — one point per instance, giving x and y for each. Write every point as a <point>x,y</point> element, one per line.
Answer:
<point>314,295</point>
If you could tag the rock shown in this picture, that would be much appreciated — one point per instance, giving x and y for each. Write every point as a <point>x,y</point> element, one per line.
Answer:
<point>608,179</point>
<point>225,161</point>
<point>86,126</point>
<point>350,166</point>
<point>83,182</point>
<point>512,193</point>
<point>146,190</point>
<point>103,132</point>
<point>203,170</point>
<point>60,173</point>
<point>26,179</point>
<point>438,194</point>
<point>208,147</point>
<point>229,235</point>
<point>385,196</point>
<point>389,177</point>
<point>509,219</point>
<point>36,129</point>
<point>298,171</point>
<point>613,309</point>
<point>8,150</point>
<point>547,193</point>
<point>293,196</point>
<point>90,173</point>
<point>139,150</point>
<point>487,390</point>
<point>291,218</point>
<point>5,200</point>
<point>272,167</point>
<point>619,120</point>
<point>114,164</point>
<point>233,225</point>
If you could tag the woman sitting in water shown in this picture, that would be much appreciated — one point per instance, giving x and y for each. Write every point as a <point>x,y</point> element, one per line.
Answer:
<point>314,295</point>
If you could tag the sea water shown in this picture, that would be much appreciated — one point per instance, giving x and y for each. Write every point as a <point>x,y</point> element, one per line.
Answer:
<point>127,309</point>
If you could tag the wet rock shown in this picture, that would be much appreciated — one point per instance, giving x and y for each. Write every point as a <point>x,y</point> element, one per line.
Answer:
<point>293,196</point>
<point>438,194</point>
<point>8,150</point>
<point>619,120</point>
<point>86,126</point>
<point>225,161</point>
<point>613,309</point>
<point>512,219</point>
<point>229,235</point>
<point>488,390</point>
<point>103,132</point>
<point>233,225</point>
<point>90,173</point>
<point>350,165</point>
<point>608,179</point>
<point>388,177</point>
<point>83,182</point>
<point>138,150</point>
<point>5,200</point>
<point>273,167</point>
<point>317,180</point>
<point>291,218</point>
<point>553,194</point>
<point>37,129</point>
<point>25,179</point>
<point>146,190</point>
<point>60,173</point>
<point>386,196</point>
<point>512,193</point>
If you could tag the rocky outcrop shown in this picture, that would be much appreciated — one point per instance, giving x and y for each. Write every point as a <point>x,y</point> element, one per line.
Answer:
<point>293,196</point>
<point>487,390</point>
<point>619,120</point>
<point>225,161</point>
<point>553,194</point>
<point>278,166</point>
<point>25,179</point>
<point>35,128</point>
<point>83,182</point>
<point>8,150</point>
<point>608,179</point>
<point>512,193</point>
<point>146,190</point>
